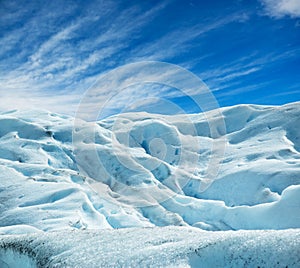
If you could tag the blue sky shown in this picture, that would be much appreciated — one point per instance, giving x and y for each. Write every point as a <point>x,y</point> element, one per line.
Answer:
<point>53,51</point>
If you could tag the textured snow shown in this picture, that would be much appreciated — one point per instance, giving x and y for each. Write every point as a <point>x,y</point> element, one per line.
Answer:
<point>158,247</point>
<point>145,170</point>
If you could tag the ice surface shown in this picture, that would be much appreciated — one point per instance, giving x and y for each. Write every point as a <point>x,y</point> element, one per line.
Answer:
<point>142,170</point>
<point>157,247</point>
<point>145,170</point>
<point>12,258</point>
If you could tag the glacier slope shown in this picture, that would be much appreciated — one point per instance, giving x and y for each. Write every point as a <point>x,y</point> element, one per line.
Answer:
<point>151,171</point>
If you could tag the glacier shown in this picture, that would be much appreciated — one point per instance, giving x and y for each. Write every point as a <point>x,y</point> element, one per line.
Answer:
<point>63,183</point>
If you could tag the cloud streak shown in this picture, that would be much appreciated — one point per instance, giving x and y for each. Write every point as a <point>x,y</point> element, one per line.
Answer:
<point>67,61</point>
<point>233,73</point>
<point>179,41</point>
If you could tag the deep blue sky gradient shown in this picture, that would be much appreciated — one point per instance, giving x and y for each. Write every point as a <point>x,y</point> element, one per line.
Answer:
<point>52,51</point>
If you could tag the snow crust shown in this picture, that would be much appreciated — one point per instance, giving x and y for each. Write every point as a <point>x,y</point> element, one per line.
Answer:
<point>159,247</point>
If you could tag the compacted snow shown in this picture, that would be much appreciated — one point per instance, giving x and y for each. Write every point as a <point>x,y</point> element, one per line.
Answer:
<point>157,247</point>
<point>144,170</point>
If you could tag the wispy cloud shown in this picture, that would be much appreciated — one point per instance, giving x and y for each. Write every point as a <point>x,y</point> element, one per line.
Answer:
<point>28,99</point>
<point>180,40</point>
<point>281,8</point>
<point>54,52</point>
<point>241,90</point>
<point>67,58</point>
<point>231,74</point>
<point>133,84</point>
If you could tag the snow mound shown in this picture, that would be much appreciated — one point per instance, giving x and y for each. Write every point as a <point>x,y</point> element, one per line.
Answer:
<point>145,170</point>
<point>154,247</point>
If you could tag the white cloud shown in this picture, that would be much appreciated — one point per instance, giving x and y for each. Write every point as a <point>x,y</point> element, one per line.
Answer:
<point>281,8</point>
<point>66,58</point>
<point>56,65</point>
<point>130,86</point>
<point>28,99</point>
<point>54,72</point>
